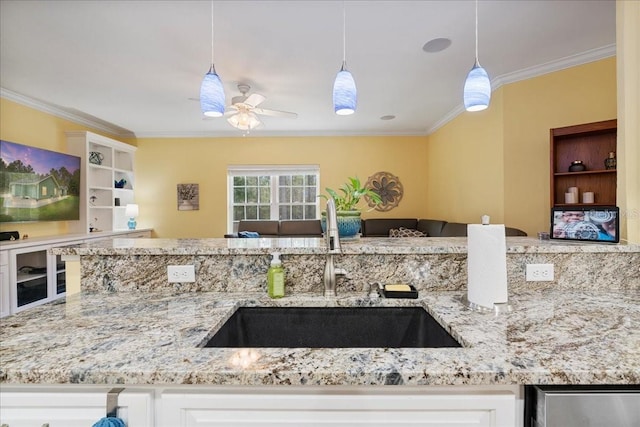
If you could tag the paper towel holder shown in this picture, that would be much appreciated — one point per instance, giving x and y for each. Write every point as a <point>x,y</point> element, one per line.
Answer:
<point>498,308</point>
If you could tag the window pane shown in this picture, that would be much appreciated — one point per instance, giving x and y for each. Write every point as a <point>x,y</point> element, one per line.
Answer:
<point>264,212</point>
<point>297,180</point>
<point>310,194</point>
<point>284,180</point>
<point>252,195</point>
<point>310,180</point>
<point>265,181</point>
<point>285,195</point>
<point>238,213</point>
<point>252,180</point>
<point>238,195</point>
<point>252,212</point>
<point>238,181</point>
<point>297,212</point>
<point>309,212</point>
<point>297,195</point>
<point>265,195</point>
<point>285,212</point>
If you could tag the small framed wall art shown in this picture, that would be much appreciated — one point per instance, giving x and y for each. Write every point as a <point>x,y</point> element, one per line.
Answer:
<point>188,197</point>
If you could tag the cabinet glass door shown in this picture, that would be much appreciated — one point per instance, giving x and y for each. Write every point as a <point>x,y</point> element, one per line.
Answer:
<point>31,283</point>
<point>61,275</point>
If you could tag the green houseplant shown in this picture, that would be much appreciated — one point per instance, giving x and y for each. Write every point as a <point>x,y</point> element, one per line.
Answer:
<point>346,200</point>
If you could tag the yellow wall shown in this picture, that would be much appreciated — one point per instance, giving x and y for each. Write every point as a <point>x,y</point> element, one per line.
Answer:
<point>24,125</point>
<point>465,167</point>
<point>512,135</point>
<point>163,163</point>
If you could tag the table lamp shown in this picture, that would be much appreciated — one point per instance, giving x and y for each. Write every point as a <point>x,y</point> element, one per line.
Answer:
<point>131,211</point>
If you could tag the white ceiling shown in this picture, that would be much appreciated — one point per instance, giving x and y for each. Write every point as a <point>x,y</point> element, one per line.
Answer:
<point>137,65</point>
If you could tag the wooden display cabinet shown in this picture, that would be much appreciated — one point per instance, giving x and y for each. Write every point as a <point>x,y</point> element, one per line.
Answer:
<point>591,143</point>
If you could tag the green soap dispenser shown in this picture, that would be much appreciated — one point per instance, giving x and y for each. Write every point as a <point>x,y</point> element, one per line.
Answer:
<point>275,277</point>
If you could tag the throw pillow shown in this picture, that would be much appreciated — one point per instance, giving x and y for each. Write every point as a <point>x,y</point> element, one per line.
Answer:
<point>406,232</point>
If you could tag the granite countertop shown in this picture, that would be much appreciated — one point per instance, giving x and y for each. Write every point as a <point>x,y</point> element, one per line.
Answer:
<point>552,336</point>
<point>367,245</point>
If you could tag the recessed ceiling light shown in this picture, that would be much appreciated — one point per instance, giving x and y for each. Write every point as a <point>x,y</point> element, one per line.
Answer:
<point>436,45</point>
<point>388,117</point>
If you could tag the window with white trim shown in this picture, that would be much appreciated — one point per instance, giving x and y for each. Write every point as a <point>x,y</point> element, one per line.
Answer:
<point>272,192</point>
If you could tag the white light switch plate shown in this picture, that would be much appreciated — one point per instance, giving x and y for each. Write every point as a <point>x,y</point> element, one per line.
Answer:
<point>540,273</point>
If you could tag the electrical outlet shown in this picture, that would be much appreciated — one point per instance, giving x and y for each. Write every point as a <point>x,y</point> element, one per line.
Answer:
<point>181,273</point>
<point>540,272</point>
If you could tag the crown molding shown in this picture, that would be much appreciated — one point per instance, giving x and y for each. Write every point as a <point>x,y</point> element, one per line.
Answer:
<point>62,113</point>
<point>531,72</point>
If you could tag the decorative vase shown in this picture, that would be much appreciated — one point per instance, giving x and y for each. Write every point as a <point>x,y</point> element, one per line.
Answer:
<point>610,162</point>
<point>577,166</point>
<point>349,223</point>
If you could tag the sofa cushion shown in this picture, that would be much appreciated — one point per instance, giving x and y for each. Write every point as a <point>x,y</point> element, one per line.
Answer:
<point>379,227</point>
<point>263,227</point>
<point>301,228</point>
<point>406,232</point>
<point>433,227</point>
<point>454,229</point>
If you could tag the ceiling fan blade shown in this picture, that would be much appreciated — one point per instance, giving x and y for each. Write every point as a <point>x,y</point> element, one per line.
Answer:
<point>254,99</point>
<point>275,113</point>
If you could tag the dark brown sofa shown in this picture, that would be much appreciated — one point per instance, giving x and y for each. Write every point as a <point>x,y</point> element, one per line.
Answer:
<point>374,227</point>
<point>285,228</point>
<point>380,227</point>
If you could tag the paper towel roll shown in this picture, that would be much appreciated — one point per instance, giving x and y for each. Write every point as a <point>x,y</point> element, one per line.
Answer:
<point>486,265</point>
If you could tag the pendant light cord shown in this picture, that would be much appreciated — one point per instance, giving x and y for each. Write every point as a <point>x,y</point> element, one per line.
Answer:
<point>477,63</point>
<point>212,35</point>
<point>344,34</point>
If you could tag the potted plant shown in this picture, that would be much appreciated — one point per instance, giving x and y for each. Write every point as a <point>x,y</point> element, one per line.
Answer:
<point>346,200</point>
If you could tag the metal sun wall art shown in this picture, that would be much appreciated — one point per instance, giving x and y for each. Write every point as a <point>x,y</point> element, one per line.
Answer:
<point>388,187</point>
<point>188,197</point>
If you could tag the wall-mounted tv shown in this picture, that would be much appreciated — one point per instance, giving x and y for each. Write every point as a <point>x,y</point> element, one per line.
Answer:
<point>38,184</point>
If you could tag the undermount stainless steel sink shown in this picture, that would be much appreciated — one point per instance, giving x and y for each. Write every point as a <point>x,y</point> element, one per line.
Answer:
<point>332,327</point>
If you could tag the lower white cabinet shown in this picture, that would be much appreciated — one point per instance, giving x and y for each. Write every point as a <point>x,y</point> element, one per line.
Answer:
<point>237,406</point>
<point>326,406</point>
<point>53,407</point>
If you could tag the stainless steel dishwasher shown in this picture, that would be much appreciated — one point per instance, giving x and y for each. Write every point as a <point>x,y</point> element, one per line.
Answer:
<point>582,406</point>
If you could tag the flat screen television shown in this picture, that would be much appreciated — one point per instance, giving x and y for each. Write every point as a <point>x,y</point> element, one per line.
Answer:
<point>38,184</point>
<point>593,224</point>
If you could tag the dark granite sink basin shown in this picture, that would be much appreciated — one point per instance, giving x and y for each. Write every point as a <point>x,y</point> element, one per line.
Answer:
<point>331,327</point>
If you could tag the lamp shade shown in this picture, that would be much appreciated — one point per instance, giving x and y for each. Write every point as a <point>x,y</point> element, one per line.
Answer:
<point>345,96</point>
<point>131,211</point>
<point>212,97</point>
<point>244,120</point>
<point>477,89</point>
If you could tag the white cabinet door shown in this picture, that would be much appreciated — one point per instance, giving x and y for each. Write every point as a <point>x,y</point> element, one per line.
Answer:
<point>324,408</point>
<point>72,409</point>
<point>5,305</point>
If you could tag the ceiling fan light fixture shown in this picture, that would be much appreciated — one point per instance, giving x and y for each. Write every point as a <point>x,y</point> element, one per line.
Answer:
<point>212,97</point>
<point>345,96</point>
<point>244,120</point>
<point>477,86</point>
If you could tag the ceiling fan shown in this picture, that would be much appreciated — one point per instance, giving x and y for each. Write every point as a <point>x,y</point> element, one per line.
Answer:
<point>242,114</point>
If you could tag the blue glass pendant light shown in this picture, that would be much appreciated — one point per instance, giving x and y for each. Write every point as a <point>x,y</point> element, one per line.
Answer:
<point>212,99</point>
<point>477,87</point>
<point>345,96</point>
